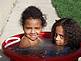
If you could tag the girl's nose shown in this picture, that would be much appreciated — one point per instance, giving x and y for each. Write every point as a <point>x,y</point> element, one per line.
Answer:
<point>33,30</point>
<point>58,37</point>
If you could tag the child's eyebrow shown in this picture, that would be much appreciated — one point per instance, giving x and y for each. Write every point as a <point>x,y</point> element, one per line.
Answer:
<point>61,35</point>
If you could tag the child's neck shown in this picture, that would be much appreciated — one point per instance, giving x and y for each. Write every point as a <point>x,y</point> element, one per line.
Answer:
<point>59,47</point>
<point>34,43</point>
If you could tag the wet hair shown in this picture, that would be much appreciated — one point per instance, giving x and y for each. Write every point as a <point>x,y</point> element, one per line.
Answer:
<point>72,32</point>
<point>34,13</point>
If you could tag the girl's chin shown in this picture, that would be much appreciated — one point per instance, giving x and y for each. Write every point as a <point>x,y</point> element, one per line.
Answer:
<point>33,39</point>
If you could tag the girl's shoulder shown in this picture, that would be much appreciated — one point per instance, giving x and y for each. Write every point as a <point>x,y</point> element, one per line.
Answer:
<point>12,40</point>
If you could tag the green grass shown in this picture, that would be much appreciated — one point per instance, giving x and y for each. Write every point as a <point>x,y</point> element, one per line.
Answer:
<point>68,8</point>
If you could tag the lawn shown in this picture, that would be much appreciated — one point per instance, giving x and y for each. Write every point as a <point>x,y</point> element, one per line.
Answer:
<point>68,8</point>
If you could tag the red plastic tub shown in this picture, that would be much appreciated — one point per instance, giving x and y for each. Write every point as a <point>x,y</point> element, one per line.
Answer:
<point>15,57</point>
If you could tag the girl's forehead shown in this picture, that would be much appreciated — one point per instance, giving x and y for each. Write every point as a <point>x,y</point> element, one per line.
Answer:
<point>33,22</point>
<point>60,30</point>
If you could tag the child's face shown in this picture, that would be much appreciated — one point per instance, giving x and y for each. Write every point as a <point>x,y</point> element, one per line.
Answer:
<point>59,35</point>
<point>32,28</point>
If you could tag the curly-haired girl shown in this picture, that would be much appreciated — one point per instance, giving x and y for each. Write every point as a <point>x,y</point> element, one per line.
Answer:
<point>66,35</point>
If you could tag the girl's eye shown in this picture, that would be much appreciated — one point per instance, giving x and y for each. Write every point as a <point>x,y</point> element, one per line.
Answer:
<point>55,35</point>
<point>37,27</point>
<point>61,36</point>
<point>28,28</point>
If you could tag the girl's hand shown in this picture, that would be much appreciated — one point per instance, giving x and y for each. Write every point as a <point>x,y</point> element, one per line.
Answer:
<point>24,43</point>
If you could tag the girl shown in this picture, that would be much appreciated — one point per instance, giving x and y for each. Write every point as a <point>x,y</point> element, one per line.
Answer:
<point>29,43</point>
<point>66,35</point>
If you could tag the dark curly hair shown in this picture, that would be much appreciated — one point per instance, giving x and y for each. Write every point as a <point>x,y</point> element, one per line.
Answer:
<point>72,30</point>
<point>34,13</point>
